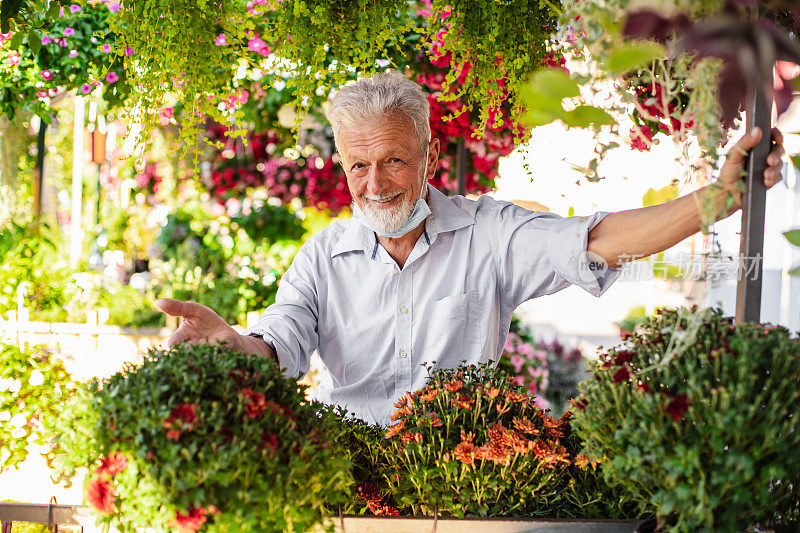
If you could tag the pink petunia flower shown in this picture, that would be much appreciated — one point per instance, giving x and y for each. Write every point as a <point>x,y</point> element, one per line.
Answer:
<point>69,32</point>
<point>73,53</point>
<point>46,40</point>
<point>13,58</point>
<point>86,88</point>
<point>63,43</point>
<point>112,77</point>
<point>130,51</point>
<point>113,7</point>
<point>41,93</point>
<point>220,40</point>
<point>47,75</point>
<point>74,8</point>
<point>106,48</point>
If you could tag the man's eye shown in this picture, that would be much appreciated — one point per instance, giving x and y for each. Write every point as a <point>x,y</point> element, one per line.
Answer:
<point>395,160</point>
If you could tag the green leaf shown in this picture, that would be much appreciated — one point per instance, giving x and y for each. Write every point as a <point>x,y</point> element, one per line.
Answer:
<point>795,272</point>
<point>553,84</point>
<point>584,116</point>
<point>34,42</point>
<point>630,56</point>
<point>8,10</point>
<point>796,160</point>
<point>656,197</point>
<point>571,211</point>
<point>793,236</point>
<point>16,40</point>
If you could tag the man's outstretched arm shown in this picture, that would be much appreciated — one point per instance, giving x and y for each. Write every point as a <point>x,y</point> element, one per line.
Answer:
<point>636,233</point>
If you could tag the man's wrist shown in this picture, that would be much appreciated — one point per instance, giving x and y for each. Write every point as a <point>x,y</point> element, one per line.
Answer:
<point>256,345</point>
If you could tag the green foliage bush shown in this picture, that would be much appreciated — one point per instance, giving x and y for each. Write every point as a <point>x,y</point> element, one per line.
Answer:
<point>31,384</point>
<point>202,436</point>
<point>698,417</point>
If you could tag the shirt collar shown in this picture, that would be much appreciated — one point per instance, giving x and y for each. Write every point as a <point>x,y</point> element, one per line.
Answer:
<point>445,216</point>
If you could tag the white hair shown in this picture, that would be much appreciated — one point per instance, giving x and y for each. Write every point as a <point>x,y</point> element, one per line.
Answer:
<point>370,100</point>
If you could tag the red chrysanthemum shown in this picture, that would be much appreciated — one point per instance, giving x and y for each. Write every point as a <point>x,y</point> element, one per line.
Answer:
<point>192,520</point>
<point>112,465</point>
<point>621,375</point>
<point>101,495</point>
<point>677,405</point>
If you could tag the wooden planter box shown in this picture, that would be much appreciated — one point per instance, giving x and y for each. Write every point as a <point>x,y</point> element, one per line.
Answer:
<point>77,515</point>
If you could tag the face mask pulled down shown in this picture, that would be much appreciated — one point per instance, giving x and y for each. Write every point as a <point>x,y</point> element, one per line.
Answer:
<point>415,218</point>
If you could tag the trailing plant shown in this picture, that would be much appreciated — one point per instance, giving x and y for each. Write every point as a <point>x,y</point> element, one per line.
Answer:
<point>71,51</point>
<point>168,442</point>
<point>31,384</point>
<point>472,443</point>
<point>496,45</point>
<point>698,417</point>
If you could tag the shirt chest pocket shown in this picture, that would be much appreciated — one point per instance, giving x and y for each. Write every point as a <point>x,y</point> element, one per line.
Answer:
<point>452,328</point>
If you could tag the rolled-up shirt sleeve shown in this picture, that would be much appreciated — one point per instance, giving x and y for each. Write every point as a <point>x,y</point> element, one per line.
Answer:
<point>542,253</point>
<point>289,325</point>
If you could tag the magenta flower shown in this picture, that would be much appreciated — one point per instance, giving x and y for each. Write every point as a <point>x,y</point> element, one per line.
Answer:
<point>73,53</point>
<point>69,32</point>
<point>106,48</point>
<point>220,40</point>
<point>86,88</point>
<point>13,58</point>
<point>113,7</point>
<point>259,46</point>
<point>130,51</point>
<point>46,40</point>
<point>63,43</point>
<point>46,74</point>
<point>112,77</point>
<point>74,8</point>
<point>41,93</point>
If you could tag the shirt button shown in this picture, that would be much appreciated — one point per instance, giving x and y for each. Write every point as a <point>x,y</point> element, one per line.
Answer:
<point>403,310</point>
<point>403,354</point>
<point>394,271</point>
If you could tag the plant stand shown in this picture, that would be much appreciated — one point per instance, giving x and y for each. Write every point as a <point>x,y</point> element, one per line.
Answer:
<point>373,524</point>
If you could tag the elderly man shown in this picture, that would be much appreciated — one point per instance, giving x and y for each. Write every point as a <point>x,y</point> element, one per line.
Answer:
<point>418,277</point>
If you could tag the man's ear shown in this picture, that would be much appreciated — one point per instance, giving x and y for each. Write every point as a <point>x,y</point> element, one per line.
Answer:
<point>433,158</point>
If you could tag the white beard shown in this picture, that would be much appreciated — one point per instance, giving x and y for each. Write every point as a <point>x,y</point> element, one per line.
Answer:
<point>388,220</point>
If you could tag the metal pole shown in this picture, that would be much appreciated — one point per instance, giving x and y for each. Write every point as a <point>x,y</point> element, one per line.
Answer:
<point>75,230</point>
<point>751,248</point>
<point>38,177</point>
<point>461,168</point>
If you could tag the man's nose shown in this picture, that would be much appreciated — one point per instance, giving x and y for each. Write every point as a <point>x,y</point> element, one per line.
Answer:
<point>377,180</point>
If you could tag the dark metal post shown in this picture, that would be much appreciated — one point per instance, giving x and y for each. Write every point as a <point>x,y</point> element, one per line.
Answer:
<point>751,249</point>
<point>461,168</point>
<point>38,173</point>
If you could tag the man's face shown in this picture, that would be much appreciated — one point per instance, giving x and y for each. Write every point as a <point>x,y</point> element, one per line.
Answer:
<point>386,169</point>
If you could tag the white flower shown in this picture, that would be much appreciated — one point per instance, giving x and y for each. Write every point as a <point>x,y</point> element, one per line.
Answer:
<point>19,420</point>
<point>18,433</point>
<point>5,416</point>
<point>36,379</point>
<point>14,386</point>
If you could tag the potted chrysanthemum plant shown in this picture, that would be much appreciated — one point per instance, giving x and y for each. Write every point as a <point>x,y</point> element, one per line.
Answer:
<point>202,438</point>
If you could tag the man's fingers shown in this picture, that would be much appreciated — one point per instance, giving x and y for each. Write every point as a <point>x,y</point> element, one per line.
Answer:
<point>740,150</point>
<point>776,136</point>
<point>180,335</point>
<point>185,309</point>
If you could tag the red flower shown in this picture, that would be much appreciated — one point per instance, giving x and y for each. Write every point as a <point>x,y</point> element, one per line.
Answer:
<point>101,495</point>
<point>621,375</point>
<point>677,406</point>
<point>644,387</point>
<point>255,404</point>
<point>181,419</point>
<point>191,521</point>
<point>112,465</point>
<point>623,357</point>
<point>269,441</point>
<point>642,141</point>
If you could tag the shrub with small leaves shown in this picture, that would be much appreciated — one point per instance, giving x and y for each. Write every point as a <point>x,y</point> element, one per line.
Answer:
<point>472,443</point>
<point>31,383</point>
<point>698,417</point>
<point>202,438</point>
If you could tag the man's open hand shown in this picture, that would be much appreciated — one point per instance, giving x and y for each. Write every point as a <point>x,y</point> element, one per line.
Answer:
<point>731,172</point>
<point>200,324</point>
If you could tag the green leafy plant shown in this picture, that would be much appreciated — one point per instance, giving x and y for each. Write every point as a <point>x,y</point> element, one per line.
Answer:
<point>32,383</point>
<point>698,417</point>
<point>472,443</point>
<point>793,236</point>
<point>202,437</point>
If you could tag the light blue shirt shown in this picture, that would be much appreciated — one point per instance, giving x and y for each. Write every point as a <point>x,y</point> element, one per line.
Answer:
<point>375,324</point>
